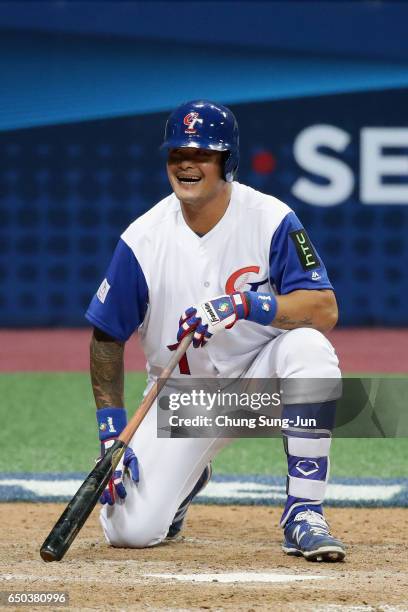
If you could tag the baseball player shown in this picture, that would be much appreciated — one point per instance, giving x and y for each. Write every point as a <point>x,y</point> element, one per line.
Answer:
<point>237,267</point>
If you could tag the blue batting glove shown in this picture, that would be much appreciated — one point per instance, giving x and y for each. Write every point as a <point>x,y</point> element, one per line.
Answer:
<point>223,312</point>
<point>127,464</point>
<point>111,422</point>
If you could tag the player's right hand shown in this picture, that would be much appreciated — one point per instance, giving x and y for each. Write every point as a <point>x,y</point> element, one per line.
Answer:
<point>127,465</point>
<point>211,317</point>
<point>223,311</point>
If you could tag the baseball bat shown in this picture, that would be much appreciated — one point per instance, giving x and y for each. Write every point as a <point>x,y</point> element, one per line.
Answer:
<point>85,499</point>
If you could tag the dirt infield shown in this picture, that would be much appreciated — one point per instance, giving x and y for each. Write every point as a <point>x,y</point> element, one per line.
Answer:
<point>216,540</point>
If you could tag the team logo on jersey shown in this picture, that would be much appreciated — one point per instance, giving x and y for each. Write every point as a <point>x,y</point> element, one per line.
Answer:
<point>239,279</point>
<point>190,120</point>
<point>266,307</point>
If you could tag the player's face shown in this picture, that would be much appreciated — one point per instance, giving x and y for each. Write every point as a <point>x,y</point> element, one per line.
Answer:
<point>195,174</point>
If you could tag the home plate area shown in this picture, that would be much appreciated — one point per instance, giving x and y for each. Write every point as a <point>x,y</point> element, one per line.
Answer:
<point>236,577</point>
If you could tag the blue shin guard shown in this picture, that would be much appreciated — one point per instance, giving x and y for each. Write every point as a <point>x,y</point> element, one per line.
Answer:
<point>307,446</point>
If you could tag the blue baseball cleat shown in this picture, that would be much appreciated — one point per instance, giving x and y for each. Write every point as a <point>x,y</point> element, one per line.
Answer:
<point>307,534</point>
<point>178,520</point>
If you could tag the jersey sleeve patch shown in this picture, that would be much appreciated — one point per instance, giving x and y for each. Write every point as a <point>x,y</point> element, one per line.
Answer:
<point>304,248</point>
<point>103,290</point>
<point>120,304</point>
<point>294,262</point>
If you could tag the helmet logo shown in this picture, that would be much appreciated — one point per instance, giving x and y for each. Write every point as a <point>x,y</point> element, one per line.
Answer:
<point>190,120</point>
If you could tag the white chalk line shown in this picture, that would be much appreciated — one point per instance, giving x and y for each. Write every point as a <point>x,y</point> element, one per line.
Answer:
<point>225,577</point>
<point>234,491</point>
<point>241,490</point>
<point>233,577</point>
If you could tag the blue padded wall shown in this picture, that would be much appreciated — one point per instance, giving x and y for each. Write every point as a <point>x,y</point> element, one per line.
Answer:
<point>68,191</point>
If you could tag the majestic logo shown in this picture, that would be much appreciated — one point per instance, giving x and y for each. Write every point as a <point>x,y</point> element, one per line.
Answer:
<point>190,120</point>
<point>211,314</point>
<point>316,276</point>
<point>239,278</point>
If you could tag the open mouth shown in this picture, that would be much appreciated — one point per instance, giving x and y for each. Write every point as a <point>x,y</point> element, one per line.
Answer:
<point>188,180</point>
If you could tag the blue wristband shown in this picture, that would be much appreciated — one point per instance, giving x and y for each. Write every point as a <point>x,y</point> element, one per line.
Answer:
<point>262,307</point>
<point>111,422</point>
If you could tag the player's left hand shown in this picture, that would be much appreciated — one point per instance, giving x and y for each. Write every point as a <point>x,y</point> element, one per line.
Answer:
<point>223,312</point>
<point>127,465</point>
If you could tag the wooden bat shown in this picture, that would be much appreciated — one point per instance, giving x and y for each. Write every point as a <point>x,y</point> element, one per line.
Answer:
<point>85,499</point>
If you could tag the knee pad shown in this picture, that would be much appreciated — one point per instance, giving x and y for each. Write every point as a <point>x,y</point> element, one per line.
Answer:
<point>307,353</point>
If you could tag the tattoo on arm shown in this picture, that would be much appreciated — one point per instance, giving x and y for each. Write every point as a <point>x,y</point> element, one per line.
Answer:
<point>287,323</point>
<point>107,370</point>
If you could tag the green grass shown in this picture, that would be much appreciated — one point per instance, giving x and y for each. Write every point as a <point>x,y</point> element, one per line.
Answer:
<point>48,423</point>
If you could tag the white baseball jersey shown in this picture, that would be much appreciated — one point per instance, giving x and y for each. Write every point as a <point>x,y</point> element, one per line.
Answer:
<point>161,267</point>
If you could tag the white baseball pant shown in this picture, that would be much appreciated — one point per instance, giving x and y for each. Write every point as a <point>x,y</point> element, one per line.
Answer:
<point>170,467</point>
